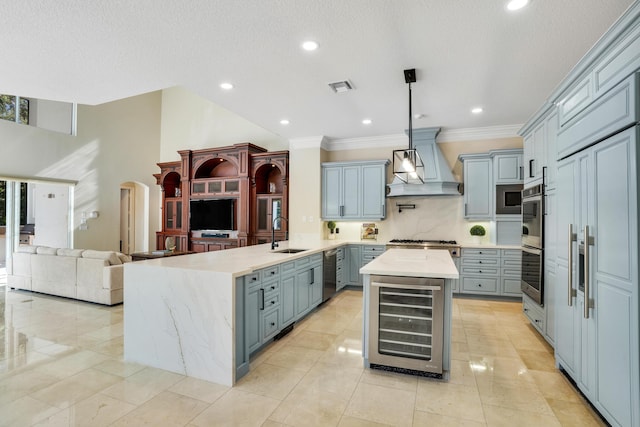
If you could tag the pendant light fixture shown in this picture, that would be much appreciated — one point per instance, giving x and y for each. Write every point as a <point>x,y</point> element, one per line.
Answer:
<point>407,164</point>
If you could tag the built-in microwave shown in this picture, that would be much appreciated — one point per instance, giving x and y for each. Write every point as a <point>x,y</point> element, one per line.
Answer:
<point>509,199</point>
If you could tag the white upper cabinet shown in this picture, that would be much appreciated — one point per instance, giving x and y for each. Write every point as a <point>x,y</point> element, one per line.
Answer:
<point>508,168</point>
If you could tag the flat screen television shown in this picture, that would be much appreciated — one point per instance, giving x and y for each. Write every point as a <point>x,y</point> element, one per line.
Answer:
<point>215,214</point>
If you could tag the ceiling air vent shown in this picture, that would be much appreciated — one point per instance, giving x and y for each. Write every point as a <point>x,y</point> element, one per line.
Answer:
<point>341,87</point>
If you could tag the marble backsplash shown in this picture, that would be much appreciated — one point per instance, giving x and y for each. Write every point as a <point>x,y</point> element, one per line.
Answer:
<point>434,217</point>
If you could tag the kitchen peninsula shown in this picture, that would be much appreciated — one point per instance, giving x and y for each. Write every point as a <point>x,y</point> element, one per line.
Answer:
<point>407,311</point>
<point>203,314</point>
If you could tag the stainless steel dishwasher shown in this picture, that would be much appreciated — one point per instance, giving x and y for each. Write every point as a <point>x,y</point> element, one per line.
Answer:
<point>329,274</point>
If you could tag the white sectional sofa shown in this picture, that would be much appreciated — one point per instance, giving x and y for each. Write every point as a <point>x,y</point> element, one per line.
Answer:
<point>84,274</point>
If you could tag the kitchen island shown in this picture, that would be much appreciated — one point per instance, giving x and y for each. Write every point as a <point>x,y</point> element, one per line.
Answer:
<point>202,315</point>
<point>418,290</point>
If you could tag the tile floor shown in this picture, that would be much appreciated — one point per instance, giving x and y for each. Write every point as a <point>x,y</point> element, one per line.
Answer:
<point>61,364</point>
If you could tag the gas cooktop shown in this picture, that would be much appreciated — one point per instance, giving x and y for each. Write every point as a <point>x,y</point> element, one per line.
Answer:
<point>412,241</point>
<point>450,245</point>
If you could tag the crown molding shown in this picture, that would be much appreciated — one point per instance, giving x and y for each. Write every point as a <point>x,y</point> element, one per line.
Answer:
<point>308,142</point>
<point>475,134</point>
<point>400,140</point>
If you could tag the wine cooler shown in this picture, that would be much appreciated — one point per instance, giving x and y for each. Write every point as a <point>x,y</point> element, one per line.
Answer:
<point>406,323</point>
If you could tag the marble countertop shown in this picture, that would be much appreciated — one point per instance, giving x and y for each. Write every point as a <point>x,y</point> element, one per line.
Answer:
<point>413,263</point>
<point>245,260</point>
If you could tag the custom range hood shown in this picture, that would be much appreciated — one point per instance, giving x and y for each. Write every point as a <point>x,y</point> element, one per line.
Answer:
<point>438,179</point>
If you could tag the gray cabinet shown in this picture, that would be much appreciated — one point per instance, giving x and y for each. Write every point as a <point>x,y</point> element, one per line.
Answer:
<point>478,186</point>
<point>597,320</point>
<point>490,271</point>
<point>341,277</point>
<point>262,305</point>
<point>507,168</point>
<point>354,190</point>
<point>354,261</point>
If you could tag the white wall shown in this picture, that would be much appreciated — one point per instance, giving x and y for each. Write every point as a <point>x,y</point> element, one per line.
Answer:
<point>190,122</point>
<point>116,142</point>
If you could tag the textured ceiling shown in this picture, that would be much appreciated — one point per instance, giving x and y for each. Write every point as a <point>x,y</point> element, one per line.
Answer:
<point>467,53</point>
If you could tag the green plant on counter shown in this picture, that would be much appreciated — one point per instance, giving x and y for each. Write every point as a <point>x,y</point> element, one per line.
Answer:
<point>331,226</point>
<point>477,230</point>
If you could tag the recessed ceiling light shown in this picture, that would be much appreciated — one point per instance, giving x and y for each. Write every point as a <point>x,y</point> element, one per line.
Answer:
<point>284,122</point>
<point>309,45</point>
<point>341,87</point>
<point>366,122</point>
<point>517,4</point>
<point>476,110</point>
<point>226,86</point>
<point>419,116</point>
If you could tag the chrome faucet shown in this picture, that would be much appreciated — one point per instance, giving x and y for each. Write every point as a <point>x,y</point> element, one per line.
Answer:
<point>274,244</point>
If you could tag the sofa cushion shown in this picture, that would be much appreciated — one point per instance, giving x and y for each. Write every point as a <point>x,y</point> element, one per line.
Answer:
<point>77,253</point>
<point>27,249</point>
<point>110,256</point>
<point>124,258</point>
<point>44,250</point>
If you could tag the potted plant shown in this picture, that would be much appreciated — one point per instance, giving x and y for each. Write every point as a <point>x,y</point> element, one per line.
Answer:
<point>332,228</point>
<point>477,231</point>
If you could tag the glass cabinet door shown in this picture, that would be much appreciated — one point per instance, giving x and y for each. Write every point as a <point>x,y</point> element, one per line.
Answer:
<point>168,215</point>
<point>178,215</point>
<point>263,214</point>
<point>276,211</point>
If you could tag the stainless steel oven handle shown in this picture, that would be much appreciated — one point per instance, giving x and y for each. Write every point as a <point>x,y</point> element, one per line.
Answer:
<point>570,269</point>
<point>586,272</point>
<point>402,286</point>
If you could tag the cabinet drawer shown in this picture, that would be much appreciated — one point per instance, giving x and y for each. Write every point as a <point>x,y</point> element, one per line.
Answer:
<point>270,273</point>
<point>534,312</point>
<point>252,279</point>
<point>340,254</point>
<point>480,271</point>
<point>270,288</point>
<point>511,262</point>
<point>372,249</point>
<point>511,253</point>
<point>270,324</point>
<point>495,262</point>
<point>511,272</point>
<point>271,300</point>
<point>480,284</point>
<point>475,252</point>
<point>368,258</point>
<point>511,287</point>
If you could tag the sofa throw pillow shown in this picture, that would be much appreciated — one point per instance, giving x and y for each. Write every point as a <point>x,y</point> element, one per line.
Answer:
<point>27,249</point>
<point>110,256</point>
<point>44,250</point>
<point>123,258</point>
<point>77,253</point>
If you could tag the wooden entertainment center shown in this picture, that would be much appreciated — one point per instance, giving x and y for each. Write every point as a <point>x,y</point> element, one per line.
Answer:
<point>252,179</point>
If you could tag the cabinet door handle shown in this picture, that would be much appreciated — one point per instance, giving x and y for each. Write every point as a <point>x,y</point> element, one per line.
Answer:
<point>544,176</point>
<point>261,299</point>
<point>313,276</point>
<point>570,269</point>
<point>531,175</point>
<point>465,209</point>
<point>341,210</point>
<point>521,172</point>
<point>586,272</point>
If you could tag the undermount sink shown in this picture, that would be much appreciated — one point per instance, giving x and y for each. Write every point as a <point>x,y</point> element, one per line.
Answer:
<point>289,251</point>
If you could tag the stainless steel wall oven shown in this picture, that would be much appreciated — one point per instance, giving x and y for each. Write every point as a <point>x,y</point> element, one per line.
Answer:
<point>532,280</point>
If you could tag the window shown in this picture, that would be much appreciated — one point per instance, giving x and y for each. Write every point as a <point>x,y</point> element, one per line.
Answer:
<point>8,107</point>
<point>3,203</point>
